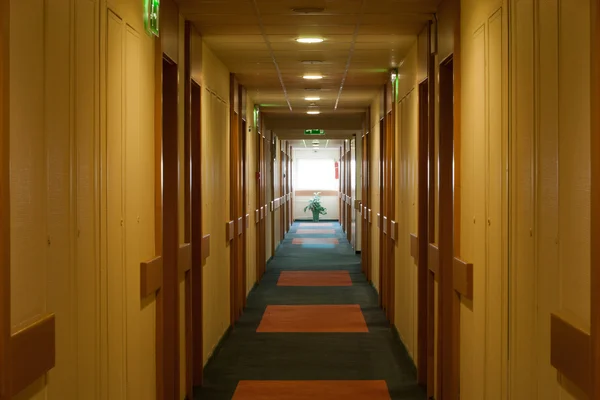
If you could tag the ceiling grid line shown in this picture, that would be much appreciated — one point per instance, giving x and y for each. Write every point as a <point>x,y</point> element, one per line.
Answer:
<point>268,43</point>
<point>352,46</point>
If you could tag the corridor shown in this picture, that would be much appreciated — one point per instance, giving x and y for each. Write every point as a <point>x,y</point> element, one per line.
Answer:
<point>302,336</point>
<point>158,157</point>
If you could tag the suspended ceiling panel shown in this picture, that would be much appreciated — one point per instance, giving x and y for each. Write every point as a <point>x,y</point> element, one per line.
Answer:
<point>363,40</point>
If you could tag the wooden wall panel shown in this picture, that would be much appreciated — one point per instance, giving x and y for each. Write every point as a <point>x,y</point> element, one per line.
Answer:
<point>523,275</point>
<point>140,322</point>
<point>215,198</point>
<point>405,202</point>
<point>574,156</point>
<point>547,210</point>
<point>497,207</point>
<point>374,147</point>
<point>87,131</point>
<point>115,207</point>
<point>473,234</point>
<point>28,165</point>
<point>58,114</point>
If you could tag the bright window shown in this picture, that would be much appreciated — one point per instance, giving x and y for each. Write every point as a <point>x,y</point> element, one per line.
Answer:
<point>316,174</point>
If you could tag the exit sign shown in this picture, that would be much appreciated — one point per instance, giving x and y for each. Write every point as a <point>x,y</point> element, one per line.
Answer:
<point>152,16</point>
<point>314,132</point>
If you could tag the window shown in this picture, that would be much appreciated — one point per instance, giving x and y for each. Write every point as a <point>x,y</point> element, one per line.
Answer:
<point>316,174</point>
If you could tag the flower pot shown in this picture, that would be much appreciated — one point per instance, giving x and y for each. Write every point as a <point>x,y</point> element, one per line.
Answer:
<point>316,216</point>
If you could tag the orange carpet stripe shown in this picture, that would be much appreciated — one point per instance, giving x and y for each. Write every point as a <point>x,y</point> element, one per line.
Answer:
<point>312,390</point>
<point>314,278</point>
<point>313,318</point>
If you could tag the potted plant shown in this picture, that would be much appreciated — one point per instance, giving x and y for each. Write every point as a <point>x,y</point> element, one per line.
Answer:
<point>315,206</point>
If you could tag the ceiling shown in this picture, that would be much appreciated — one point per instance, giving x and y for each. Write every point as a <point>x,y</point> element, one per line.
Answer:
<point>324,143</point>
<point>363,40</point>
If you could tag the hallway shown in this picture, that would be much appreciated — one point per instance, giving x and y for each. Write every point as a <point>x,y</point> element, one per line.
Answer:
<point>279,351</point>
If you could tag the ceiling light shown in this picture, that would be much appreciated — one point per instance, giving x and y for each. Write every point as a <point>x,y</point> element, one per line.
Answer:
<point>308,10</point>
<point>315,145</point>
<point>313,77</point>
<point>312,98</point>
<point>313,112</point>
<point>309,40</point>
<point>312,62</point>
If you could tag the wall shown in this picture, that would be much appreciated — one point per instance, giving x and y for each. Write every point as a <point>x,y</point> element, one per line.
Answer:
<point>132,79</point>
<point>276,213</point>
<point>406,174</point>
<point>484,202</point>
<point>215,198</point>
<point>551,185</point>
<point>331,203</point>
<point>374,148</point>
<point>61,138</point>
<point>357,192</point>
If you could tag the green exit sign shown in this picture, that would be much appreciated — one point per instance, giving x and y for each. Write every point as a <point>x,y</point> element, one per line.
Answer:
<point>314,132</point>
<point>152,16</point>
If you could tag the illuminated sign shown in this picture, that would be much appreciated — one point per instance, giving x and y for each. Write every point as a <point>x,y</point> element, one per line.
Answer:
<point>314,132</point>
<point>152,16</point>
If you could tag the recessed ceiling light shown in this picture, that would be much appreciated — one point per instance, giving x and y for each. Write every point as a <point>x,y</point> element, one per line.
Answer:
<point>313,112</point>
<point>312,62</point>
<point>309,40</point>
<point>308,10</point>
<point>312,98</point>
<point>313,77</point>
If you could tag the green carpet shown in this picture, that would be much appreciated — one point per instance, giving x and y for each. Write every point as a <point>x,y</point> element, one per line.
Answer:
<point>248,355</point>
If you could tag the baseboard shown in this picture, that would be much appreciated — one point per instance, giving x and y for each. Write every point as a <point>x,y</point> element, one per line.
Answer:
<point>399,339</point>
<point>219,345</point>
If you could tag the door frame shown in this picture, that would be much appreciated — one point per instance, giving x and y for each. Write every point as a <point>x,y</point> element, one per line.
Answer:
<point>595,200</point>
<point>449,300</point>
<point>424,345</point>
<point>198,255</point>
<point>168,297</point>
<point>5,294</point>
